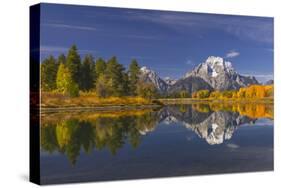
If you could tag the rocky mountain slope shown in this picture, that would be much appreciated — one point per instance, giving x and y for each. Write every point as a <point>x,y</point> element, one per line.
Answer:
<point>220,74</point>
<point>213,74</point>
<point>151,76</point>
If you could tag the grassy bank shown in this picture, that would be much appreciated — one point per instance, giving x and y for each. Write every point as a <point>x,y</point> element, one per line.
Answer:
<point>90,100</point>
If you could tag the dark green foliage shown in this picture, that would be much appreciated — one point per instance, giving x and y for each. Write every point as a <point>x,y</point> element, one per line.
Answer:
<point>68,75</point>
<point>134,71</point>
<point>100,67</point>
<point>179,94</point>
<point>61,59</point>
<point>87,74</point>
<point>115,75</point>
<point>126,86</point>
<point>73,63</point>
<point>49,69</point>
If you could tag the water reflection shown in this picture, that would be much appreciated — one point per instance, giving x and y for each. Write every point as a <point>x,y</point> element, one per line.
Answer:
<point>73,133</point>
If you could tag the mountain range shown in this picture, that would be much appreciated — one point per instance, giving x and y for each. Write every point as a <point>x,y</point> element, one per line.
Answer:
<point>214,74</point>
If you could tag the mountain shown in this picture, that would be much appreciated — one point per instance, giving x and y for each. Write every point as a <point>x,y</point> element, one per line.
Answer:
<point>190,84</point>
<point>220,74</point>
<point>150,76</point>
<point>170,81</point>
<point>269,82</point>
<point>213,74</point>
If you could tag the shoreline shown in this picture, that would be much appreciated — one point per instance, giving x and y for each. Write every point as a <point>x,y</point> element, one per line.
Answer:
<point>210,101</point>
<point>98,108</point>
<point>162,103</point>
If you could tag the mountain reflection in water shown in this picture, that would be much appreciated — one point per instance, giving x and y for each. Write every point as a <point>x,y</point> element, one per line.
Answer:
<point>69,133</point>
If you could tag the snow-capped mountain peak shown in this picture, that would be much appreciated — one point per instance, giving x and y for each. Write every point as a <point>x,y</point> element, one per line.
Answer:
<point>170,81</point>
<point>215,73</point>
<point>145,70</point>
<point>151,76</point>
<point>220,74</point>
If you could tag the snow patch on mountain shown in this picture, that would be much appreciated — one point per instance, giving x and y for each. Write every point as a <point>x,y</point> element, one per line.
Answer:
<point>220,74</point>
<point>170,81</point>
<point>151,76</point>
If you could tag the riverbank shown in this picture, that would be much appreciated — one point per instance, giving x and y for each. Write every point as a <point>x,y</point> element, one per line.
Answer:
<point>99,108</point>
<point>213,100</point>
<point>53,102</point>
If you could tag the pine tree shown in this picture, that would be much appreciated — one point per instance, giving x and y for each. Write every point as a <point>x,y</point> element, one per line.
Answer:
<point>100,67</point>
<point>49,68</point>
<point>134,71</point>
<point>86,74</point>
<point>115,74</point>
<point>73,63</point>
<point>61,59</point>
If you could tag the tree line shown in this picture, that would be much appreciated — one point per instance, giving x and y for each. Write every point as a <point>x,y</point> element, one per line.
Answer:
<point>250,92</point>
<point>69,75</point>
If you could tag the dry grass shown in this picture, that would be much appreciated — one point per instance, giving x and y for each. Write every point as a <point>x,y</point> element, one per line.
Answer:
<point>88,99</point>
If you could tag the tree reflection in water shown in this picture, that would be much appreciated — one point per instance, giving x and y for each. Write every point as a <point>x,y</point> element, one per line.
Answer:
<point>71,134</point>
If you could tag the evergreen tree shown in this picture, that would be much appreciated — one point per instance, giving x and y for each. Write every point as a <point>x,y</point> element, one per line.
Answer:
<point>115,74</point>
<point>126,84</point>
<point>49,69</point>
<point>100,67</point>
<point>86,73</point>
<point>61,59</point>
<point>93,74</point>
<point>73,63</point>
<point>65,83</point>
<point>103,88</point>
<point>134,71</point>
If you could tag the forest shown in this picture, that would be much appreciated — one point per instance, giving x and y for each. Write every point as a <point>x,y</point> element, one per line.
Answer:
<point>69,75</point>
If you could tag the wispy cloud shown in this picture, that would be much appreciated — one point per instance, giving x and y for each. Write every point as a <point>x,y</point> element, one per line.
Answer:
<point>101,31</point>
<point>189,62</point>
<point>232,146</point>
<point>60,49</point>
<point>250,28</point>
<point>50,49</point>
<point>68,26</point>
<point>232,54</point>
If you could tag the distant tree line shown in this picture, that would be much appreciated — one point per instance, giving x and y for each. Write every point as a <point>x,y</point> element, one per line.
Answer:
<point>69,75</point>
<point>252,91</point>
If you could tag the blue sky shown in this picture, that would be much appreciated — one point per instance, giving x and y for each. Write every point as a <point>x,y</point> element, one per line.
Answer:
<point>171,43</point>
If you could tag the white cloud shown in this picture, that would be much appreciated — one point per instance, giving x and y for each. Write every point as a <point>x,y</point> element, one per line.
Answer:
<point>232,54</point>
<point>66,26</point>
<point>60,49</point>
<point>189,62</point>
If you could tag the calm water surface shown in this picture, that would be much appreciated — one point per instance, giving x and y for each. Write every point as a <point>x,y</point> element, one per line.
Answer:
<point>173,141</point>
